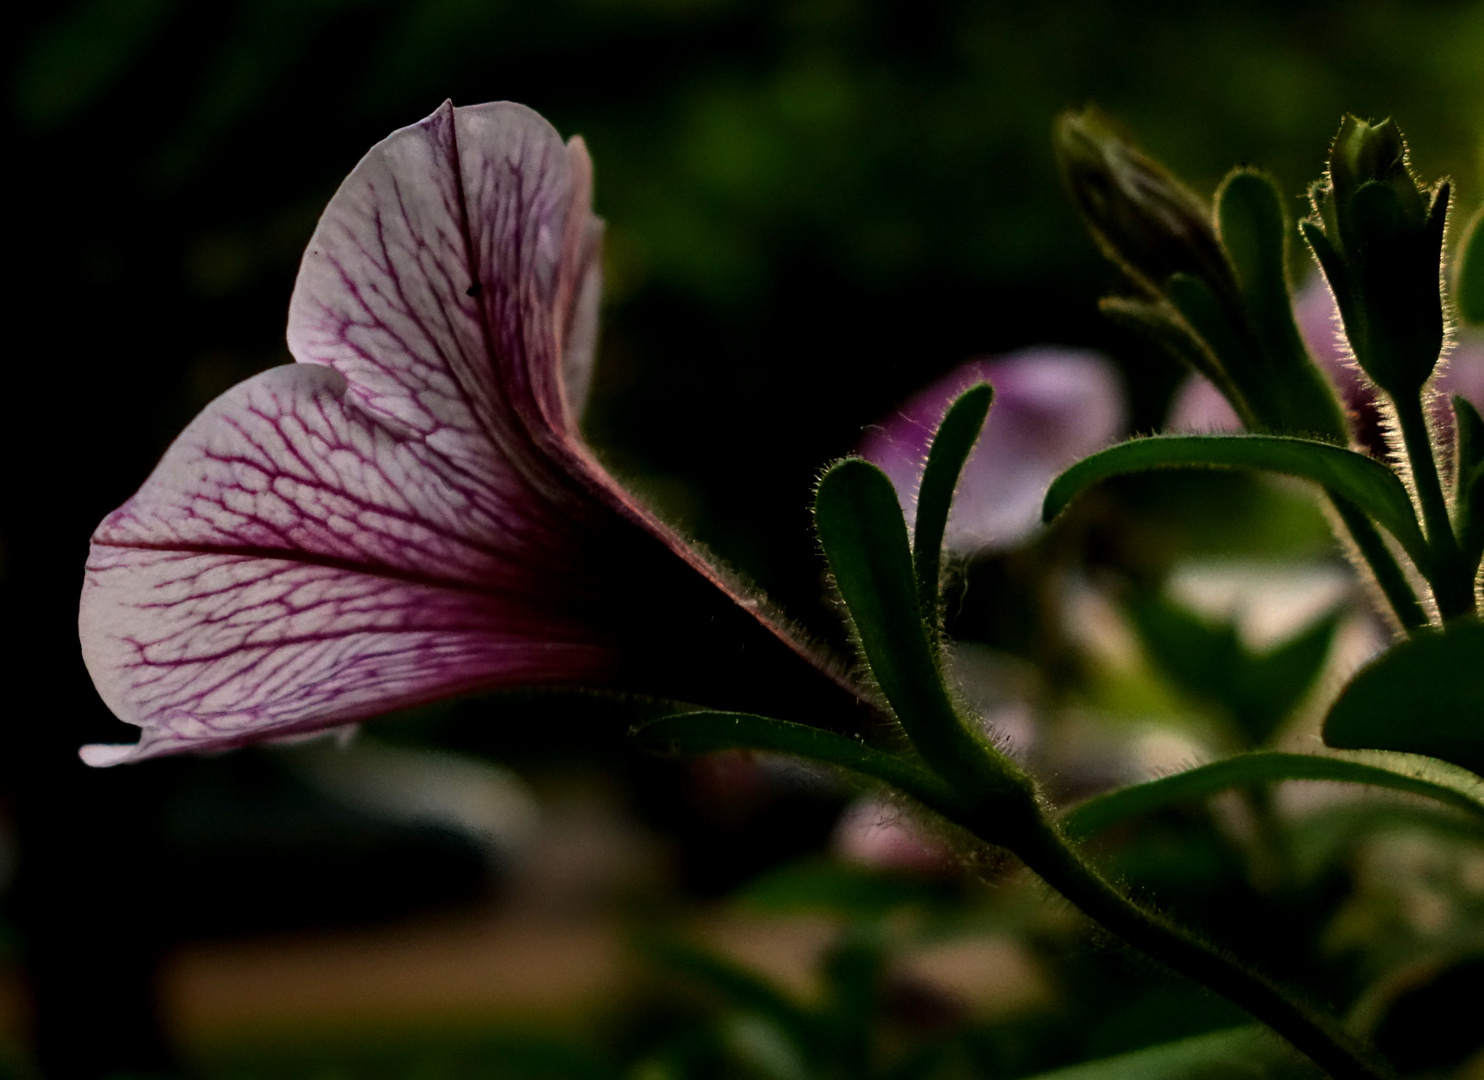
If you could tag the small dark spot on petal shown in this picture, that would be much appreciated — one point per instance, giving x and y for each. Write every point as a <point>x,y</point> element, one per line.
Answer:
<point>473,290</point>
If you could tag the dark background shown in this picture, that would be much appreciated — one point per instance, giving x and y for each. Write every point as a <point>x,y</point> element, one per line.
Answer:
<point>814,208</point>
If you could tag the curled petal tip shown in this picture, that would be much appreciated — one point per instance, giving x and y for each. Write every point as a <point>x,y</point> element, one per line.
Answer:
<point>102,755</point>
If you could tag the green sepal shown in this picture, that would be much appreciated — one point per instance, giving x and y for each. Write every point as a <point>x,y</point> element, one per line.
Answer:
<point>1162,326</point>
<point>1102,812</point>
<point>1468,279</point>
<point>1423,696</point>
<point>1330,264</point>
<point>1384,236</point>
<point>864,537</point>
<point>706,732</point>
<point>1282,399</point>
<point>1204,313</point>
<point>954,441</point>
<point>1354,477</point>
<point>1252,228</point>
<point>1398,323</point>
<point>1468,480</point>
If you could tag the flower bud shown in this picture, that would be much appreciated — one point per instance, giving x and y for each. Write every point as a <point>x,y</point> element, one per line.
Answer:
<point>1144,219</point>
<point>1378,235</point>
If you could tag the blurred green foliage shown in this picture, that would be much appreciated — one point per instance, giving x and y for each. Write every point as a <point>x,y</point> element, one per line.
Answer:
<point>814,208</point>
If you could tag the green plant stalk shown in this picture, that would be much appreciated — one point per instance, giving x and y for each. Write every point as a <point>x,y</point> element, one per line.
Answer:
<point>1009,814</point>
<point>1387,571</point>
<point>1027,829</point>
<point>1452,586</point>
<point>1042,847</point>
<point>864,537</point>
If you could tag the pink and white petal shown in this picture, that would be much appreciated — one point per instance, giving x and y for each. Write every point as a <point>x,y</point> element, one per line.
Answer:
<point>1319,324</point>
<point>297,562</point>
<point>580,345</point>
<point>873,832</point>
<point>1052,406</point>
<point>433,280</point>
<point>408,513</point>
<point>1463,368</point>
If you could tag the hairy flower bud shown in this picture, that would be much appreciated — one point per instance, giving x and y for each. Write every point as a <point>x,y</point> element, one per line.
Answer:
<point>1141,215</point>
<point>1378,235</point>
<point>1217,287</point>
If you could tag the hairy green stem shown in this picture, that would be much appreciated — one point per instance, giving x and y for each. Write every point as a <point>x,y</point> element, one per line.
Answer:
<point>1452,587</point>
<point>1388,573</point>
<point>1043,848</point>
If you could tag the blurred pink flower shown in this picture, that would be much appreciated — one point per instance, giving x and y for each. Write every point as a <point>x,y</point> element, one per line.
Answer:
<point>409,511</point>
<point>873,832</point>
<point>1199,406</point>
<point>1052,406</point>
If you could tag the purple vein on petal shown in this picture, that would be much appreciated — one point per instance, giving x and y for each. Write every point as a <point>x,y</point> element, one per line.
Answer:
<point>407,512</point>
<point>211,615</point>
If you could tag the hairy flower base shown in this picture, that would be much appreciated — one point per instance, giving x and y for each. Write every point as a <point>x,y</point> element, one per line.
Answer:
<point>409,511</point>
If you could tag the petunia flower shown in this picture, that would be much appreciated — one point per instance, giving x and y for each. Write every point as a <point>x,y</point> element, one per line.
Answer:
<point>409,511</point>
<point>1052,406</point>
<point>1199,406</point>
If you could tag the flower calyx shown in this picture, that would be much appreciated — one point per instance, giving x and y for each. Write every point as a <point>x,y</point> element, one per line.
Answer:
<point>1378,235</point>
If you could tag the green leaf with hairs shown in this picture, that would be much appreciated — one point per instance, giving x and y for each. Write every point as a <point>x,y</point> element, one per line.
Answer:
<point>1423,696</point>
<point>1289,390</point>
<point>952,444</point>
<point>705,732</point>
<point>1361,480</point>
<point>1265,767</point>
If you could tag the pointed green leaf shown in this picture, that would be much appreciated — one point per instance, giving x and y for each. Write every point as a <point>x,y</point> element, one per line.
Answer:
<point>952,445</point>
<point>1264,767</point>
<point>1424,696</point>
<point>1281,677</point>
<point>1363,481</point>
<point>1468,279</point>
<point>865,540</point>
<point>1246,1053</point>
<point>1209,663</point>
<point>707,732</point>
